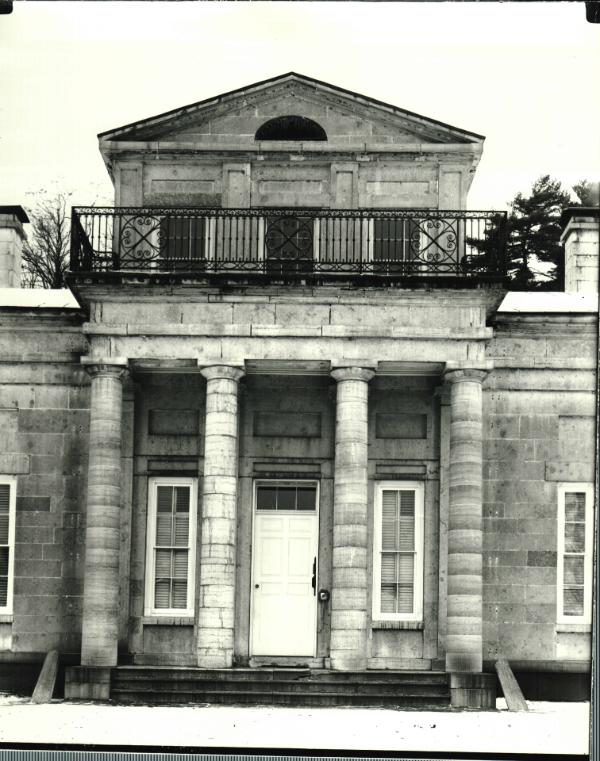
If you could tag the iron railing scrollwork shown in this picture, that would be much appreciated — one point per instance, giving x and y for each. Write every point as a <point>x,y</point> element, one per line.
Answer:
<point>385,242</point>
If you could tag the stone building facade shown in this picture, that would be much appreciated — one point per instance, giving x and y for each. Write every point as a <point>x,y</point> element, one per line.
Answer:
<point>219,456</point>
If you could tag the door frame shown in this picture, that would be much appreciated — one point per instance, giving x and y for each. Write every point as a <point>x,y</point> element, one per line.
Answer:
<point>291,482</point>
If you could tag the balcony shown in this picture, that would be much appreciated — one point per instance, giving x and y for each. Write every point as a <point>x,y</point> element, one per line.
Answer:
<point>411,246</point>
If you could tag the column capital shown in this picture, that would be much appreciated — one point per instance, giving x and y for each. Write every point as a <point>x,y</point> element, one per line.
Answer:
<point>226,372</point>
<point>455,372</point>
<point>352,374</point>
<point>116,367</point>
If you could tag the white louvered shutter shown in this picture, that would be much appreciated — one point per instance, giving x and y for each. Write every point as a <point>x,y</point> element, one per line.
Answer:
<point>172,547</point>
<point>5,548</point>
<point>398,551</point>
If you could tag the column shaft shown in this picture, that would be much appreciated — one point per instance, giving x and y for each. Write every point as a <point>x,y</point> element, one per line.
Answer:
<point>100,626</point>
<point>464,620</point>
<point>217,549</point>
<point>348,648</point>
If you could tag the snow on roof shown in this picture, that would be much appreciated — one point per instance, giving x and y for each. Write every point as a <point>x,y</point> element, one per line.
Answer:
<point>37,298</point>
<point>549,301</point>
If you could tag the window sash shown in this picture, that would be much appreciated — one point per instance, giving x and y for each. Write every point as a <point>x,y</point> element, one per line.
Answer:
<point>574,556</point>
<point>398,551</point>
<point>8,490</point>
<point>171,543</point>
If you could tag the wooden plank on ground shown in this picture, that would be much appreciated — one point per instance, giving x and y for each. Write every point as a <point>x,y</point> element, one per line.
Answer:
<point>510,687</point>
<point>44,687</point>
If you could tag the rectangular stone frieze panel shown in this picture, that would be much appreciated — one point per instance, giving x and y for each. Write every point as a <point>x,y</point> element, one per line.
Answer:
<point>300,425</point>
<point>403,425</point>
<point>173,423</point>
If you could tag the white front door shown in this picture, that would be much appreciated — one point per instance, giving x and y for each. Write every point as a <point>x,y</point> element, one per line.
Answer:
<point>284,578</point>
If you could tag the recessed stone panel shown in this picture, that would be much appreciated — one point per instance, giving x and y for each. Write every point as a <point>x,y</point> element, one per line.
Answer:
<point>404,425</point>
<point>173,422</point>
<point>299,425</point>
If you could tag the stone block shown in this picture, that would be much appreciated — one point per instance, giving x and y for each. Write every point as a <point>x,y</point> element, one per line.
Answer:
<point>570,471</point>
<point>540,594</point>
<point>546,558</point>
<point>538,427</point>
<point>14,464</point>
<point>35,504</point>
<point>540,613</point>
<point>540,575</point>
<point>87,683</point>
<point>498,426</point>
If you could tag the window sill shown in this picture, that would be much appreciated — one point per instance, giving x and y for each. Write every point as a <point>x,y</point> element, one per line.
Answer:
<point>573,628</point>
<point>408,625</point>
<point>6,618</point>
<point>168,620</point>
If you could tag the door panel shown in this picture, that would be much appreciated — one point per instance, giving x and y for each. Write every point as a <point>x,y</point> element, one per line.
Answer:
<point>284,605</point>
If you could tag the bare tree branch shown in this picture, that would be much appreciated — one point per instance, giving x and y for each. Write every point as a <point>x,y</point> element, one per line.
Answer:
<point>45,258</point>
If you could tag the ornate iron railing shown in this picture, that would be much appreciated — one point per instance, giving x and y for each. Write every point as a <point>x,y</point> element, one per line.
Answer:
<point>394,243</point>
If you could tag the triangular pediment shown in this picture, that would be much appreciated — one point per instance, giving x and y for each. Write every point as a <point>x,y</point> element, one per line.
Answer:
<point>344,116</point>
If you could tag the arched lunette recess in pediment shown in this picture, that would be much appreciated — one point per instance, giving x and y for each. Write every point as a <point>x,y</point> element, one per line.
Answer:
<point>290,128</point>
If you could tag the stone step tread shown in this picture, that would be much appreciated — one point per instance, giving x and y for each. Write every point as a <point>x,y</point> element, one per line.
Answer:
<point>382,688</point>
<point>361,677</point>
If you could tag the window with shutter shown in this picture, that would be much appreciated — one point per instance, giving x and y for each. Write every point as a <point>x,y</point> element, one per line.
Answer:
<point>171,546</point>
<point>398,552</point>
<point>574,558</point>
<point>183,241</point>
<point>7,541</point>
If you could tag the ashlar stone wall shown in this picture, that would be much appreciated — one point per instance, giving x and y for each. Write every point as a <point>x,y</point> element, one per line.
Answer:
<point>539,430</point>
<point>44,425</point>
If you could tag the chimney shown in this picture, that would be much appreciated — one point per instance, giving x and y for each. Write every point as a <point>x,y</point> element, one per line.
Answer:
<point>12,236</point>
<point>580,238</point>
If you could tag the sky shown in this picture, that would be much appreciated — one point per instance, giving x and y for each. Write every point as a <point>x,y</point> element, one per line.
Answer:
<point>521,74</point>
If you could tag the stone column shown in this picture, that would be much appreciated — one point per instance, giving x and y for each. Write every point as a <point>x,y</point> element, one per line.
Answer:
<point>464,618</point>
<point>348,649</point>
<point>217,549</point>
<point>100,626</point>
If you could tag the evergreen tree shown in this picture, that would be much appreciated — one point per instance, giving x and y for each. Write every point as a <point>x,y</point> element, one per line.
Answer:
<point>534,254</point>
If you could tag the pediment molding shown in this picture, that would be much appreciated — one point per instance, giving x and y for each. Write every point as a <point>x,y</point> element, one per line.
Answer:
<point>313,92</point>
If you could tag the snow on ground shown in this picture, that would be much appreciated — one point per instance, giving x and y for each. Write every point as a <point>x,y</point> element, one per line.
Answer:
<point>548,728</point>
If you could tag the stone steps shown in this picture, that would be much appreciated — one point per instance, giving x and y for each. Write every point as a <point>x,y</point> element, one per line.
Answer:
<point>164,685</point>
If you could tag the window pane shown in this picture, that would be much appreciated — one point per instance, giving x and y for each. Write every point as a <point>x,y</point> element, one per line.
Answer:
<point>164,499</point>
<point>388,567</point>
<point>389,520</point>
<point>182,499</point>
<point>179,594</point>
<point>182,524</point>
<point>163,563</point>
<point>575,506</point>
<point>286,498</point>
<point>574,569</point>
<point>4,499</point>
<point>161,593</point>
<point>405,599</point>
<point>266,498</point>
<point>573,602</point>
<point>3,529</point>
<point>307,498</point>
<point>574,537</point>
<point>164,529</point>
<point>3,591</point>
<point>388,598</point>
<point>4,561</point>
<point>406,569</point>
<point>180,564</point>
